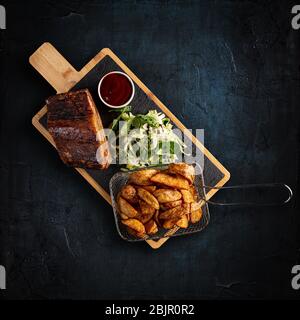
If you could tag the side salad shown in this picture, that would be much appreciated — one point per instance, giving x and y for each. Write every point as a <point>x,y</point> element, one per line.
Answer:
<point>146,140</point>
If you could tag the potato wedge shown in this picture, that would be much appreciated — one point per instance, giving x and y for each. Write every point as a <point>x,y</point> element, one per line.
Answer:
<point>187,207</point>
<point>196,215</point>
<point>148,198</point>
<point>126,208</point>
<point>197,205</point>
<point>123,216</point>
<point>170,181</point>
<point>136,234</point>
<point>156,218</point>
<point>167,195</point>
<point>142,177</point>
<point>173,213</point>
<point>144,218</point>
<point>183,222</point>
<point>169,224</point>
<point>135,225</point>
<point>155,198</point>
<point>194,192</point>
<point>151,227</point>
<point>128,192</point>
<point>151,189</point>
<point>169,205</point>
<point>183,169</point>
<point>187,196</point>
<point>145,208</point>
<point>188,215</point>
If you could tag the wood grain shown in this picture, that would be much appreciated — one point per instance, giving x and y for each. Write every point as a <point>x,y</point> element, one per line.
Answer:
<point>54,68</point>
<point>62,77</point>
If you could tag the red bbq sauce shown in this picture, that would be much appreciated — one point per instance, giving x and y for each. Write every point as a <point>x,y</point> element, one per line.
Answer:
<point>116,89</point>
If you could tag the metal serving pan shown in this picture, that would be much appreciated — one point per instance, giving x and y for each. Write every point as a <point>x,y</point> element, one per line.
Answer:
<point>120,179</point>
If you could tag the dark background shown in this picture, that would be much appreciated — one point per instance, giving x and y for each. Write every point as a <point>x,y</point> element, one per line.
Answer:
<point>230,67</point>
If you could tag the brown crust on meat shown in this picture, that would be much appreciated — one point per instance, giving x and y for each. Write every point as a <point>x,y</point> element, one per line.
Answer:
<point>76,127</point>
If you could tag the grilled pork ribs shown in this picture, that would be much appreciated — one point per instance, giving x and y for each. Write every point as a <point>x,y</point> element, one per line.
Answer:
<point>76,127</point>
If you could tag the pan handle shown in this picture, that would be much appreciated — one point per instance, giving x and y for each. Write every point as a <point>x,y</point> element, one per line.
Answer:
<point>267,186</point>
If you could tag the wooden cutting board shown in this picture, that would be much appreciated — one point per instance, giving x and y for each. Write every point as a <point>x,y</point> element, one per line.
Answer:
<point>62,77</point>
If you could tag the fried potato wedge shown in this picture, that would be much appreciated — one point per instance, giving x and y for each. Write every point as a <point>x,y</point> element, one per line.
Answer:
<point>195,216</point>
<point>170,181</point>
<point>169,224</point>
<point>123,216</point>
<point>197,205</point>
<point>136,234</point>
<point>187,207</point>
<point>154,199</point>
<point>169,205</point>
<point>187,196</point>
<point>145,208</point>
<point>194,192</point>
<point>142,177</point>
<point>167,195</point>
<point>144,218</point>
<point>184,170</point>
<point>146,212</point>
<point>126,208</point>
<point>151,189</point>
<point>148,198</point>
<point>156,218</point>
<point>134,224</point>
<point>183,222</point>
<point>188,216</point>
<point>151,227</point>
<point>173,213</point>
<point>128,192</point>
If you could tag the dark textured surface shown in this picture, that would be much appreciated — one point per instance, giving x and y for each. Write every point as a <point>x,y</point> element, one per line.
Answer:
<point>229,67</point>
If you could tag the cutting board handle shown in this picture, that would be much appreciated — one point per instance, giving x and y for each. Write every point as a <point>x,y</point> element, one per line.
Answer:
<point>54,68</point>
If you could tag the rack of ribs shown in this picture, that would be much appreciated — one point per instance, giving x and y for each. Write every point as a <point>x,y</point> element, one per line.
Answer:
<point>75,125</point>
